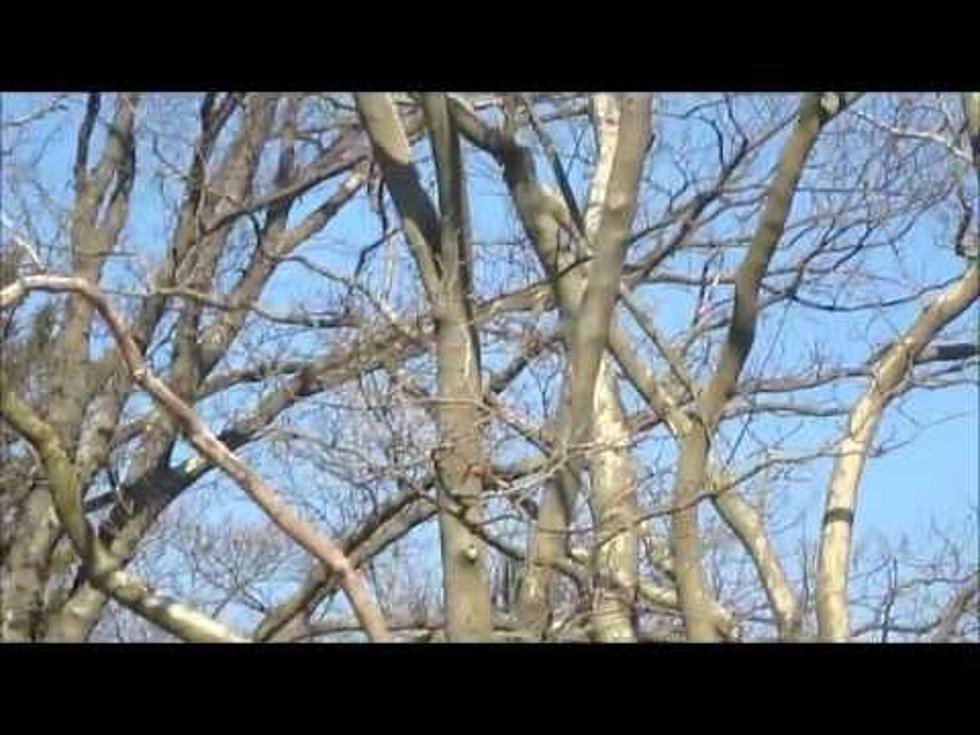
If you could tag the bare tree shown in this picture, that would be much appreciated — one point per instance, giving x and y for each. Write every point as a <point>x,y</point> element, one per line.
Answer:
<point>609,342</point>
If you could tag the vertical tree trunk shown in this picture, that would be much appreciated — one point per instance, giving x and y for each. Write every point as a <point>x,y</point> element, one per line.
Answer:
<point>612,500</point>
<point>25,569</point>
<point>441,249</point>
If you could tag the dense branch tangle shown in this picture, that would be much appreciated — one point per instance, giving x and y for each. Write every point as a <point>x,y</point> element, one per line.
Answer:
<point>386,308</point>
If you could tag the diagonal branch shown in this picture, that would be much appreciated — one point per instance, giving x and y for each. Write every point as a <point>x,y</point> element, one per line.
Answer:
<point>888,377</point>
<point>210,446</point>
<point>103,570</point>
<point>691,466</point>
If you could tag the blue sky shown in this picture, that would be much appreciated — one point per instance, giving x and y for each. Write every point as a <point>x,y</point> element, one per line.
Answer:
<point>933,478</point>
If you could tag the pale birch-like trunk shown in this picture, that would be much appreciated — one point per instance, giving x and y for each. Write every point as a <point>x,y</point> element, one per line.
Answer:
<point>612,500</point>
<point>887,377</point>
<point>612,475</point>
<point>586,306</point>
<point>594,414</point>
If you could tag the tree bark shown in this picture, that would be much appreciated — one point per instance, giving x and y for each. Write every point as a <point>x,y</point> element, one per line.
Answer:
<point>691,466</point>
<point>887,377</point>
<point>102,567</point>
<point>442,251</point>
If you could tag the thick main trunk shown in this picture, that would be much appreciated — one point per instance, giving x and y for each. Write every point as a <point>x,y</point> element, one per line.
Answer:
<point>459,462</point>
<point>440,246</point>
<point>612,500</point>
<point>685,538</point>
<point>24,573</point>
<point>460,459</point>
